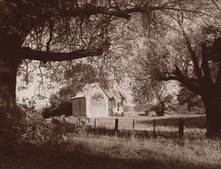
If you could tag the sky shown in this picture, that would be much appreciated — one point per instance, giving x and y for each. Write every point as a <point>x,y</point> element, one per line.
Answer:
<point>30,93</point>
<point>33,89</point>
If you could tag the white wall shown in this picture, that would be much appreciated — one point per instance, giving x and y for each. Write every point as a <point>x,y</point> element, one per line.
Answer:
<point>97,101</point>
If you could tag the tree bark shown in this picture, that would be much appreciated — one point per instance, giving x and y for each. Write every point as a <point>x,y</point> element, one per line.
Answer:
<point>8,71</point>
<point>213,114</point>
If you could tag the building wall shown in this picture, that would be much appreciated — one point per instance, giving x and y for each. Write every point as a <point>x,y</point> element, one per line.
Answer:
<point>79,107</point>
<point>98,107</point>
<point>97,101</point>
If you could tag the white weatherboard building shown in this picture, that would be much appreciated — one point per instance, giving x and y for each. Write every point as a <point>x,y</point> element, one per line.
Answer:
<point>94,101</point>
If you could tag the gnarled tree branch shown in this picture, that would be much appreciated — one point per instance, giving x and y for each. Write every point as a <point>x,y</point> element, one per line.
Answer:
<point>190,83</point>
<point>28,53</point>
<point>205,65</point>
<point>192,55</point>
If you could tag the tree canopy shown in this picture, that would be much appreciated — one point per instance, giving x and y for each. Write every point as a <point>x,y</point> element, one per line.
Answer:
<point>188,51</point>
<point>64,30</point>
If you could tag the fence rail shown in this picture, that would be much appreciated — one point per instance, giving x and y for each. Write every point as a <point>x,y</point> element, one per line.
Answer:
<point>138,133</point>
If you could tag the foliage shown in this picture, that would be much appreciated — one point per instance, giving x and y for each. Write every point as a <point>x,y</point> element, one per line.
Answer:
<point>187,97</point>
<point>189,53</point>
<point>75,78</point>
<point>146,72</point>
<point>12,127</point>
<point>160,107</point>
<point>61,108</point>
<point>52,131</point>
<point>148,90</point>
<point>78,29</point>
<point>65,30</point>
<point>26,125</point>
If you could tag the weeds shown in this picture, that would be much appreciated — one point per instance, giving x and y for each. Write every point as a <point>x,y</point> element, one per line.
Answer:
<point>112,152</point>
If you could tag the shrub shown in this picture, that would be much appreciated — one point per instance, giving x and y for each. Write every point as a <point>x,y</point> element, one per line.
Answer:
<point>12,127</point>
<point>158,109</point>
<point>63,108</point>
<point>52,131</point>
<point>25,124</point>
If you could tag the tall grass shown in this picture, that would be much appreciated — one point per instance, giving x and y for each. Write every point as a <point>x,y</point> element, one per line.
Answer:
<point>194,126</point>
<point>146,123</point>
<point>103,152</point>
<point>168,152</point>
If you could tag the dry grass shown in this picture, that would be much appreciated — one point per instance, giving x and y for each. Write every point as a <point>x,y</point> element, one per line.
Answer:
<point>103,152</point>
<point>194,125</point>
<point>96,152</point>
<point>144,122</point>
<point>184,151</point>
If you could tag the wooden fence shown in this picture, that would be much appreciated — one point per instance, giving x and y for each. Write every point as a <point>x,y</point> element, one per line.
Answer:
<point>138,133</point>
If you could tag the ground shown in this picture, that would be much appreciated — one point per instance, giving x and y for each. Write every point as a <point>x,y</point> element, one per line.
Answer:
<point>194,124</point>
<point>87,151</point>
<point>95,152</point>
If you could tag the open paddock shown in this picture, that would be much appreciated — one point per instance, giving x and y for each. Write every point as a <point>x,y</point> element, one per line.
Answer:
<point>167,126</point>
<point>99,152</point>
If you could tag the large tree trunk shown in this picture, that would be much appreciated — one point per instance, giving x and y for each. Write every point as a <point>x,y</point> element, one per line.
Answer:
<point>8,115</point>
<point>9,62</point>
<point>8,71</point>
<point>213,114</point>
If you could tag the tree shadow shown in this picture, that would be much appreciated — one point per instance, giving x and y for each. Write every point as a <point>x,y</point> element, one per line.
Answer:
<point>80,157</point>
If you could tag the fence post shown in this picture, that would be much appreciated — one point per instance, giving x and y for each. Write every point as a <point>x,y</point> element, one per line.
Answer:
<point>133,124</point>
<point>116,124</point>
<point>95,121</point>
<point>154,128</point>
<point>181,127</point>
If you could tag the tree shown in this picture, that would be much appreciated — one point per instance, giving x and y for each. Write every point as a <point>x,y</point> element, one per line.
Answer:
<point>205,76</point>
<point>47,30</point>
<point>76,78</point>
<point>186,48</point>
<point>148,92</point>
<point>191,99</point>
<point>64,30</point>
<point>191,56</point>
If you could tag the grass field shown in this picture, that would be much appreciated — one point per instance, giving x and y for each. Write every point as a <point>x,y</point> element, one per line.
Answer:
<point>95,152</point>
<point>194,125</point>
<point>87,151</point>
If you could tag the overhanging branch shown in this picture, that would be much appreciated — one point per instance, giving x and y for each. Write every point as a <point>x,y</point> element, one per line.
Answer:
<point>169,77</point>
<point>89,10</point>
<point>190,83</point>
<point>28,53</point>
<point>192,55</point>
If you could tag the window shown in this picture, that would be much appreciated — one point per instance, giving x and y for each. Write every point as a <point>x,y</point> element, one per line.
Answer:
<point>118,106</point>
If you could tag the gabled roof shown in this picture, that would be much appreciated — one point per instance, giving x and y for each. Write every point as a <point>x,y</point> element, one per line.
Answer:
<point>109,94</point>
<point>78,95</point>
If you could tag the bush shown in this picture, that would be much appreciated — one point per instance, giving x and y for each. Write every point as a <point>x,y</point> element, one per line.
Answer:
<point>63,108</point>
<point>158,109</point>
<point>52,131</point>
<point>12,127</point>
<point>25,124</point>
